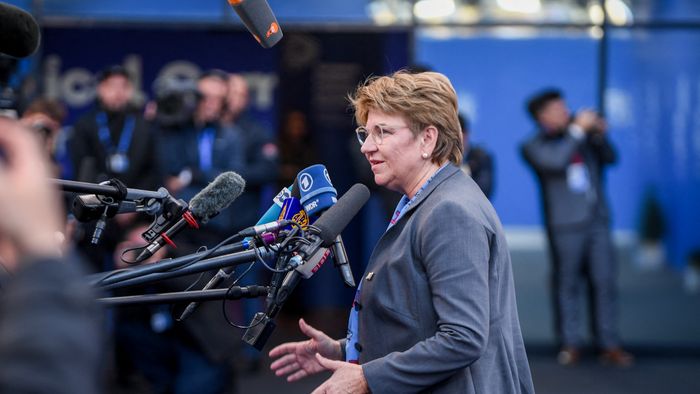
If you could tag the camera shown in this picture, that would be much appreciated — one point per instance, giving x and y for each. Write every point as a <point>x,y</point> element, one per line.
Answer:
<point>176,100</point>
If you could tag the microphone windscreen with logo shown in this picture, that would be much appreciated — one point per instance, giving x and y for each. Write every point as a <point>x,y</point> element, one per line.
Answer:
<point>316,190</point>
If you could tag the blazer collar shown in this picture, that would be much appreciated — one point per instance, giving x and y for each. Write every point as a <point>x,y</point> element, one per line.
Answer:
<point>449,170</point>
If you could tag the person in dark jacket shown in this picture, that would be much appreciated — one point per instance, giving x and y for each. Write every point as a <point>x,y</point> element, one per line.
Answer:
<point>569,155</point>
<point>477,162</point>
<point>50,324</point>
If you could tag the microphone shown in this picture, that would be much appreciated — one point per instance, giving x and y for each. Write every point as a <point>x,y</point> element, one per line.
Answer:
<point>19,31</point>
<point>317,195</point>
<point>342,262</point>
<point>259,20</point>
<point>292,211</point>
<point>313,256</point>
<point>224,273</point>
<point>316,190</point>
<point>328,228</point>
<point>206,204</point>
<point>273,212</point>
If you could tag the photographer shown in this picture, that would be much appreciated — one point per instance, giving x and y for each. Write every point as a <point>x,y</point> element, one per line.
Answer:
<point>568,154</point>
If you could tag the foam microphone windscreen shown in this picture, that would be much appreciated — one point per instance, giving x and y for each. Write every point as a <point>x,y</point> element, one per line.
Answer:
<point>19,32</point>
<point>218,195</point>
<point>259,20</point>
<point>336,218</point>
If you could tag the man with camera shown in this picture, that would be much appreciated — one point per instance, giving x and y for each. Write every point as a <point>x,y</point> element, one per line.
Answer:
<point>569,154</point>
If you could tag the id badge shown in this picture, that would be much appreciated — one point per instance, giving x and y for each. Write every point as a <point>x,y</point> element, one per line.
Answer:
<point>577,177</point>
<point>118,163</point>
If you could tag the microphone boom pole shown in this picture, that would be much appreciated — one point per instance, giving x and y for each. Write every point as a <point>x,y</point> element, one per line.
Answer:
<point>234,293</point>
<point>200,266</point>
<point>107,190</point>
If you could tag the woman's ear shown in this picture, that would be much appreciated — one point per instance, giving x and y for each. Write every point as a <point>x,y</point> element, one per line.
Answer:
<point>429,138</point>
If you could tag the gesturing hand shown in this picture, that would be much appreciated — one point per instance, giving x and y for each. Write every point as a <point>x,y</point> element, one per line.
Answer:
<point>298,360</point>
<point>346,378</point>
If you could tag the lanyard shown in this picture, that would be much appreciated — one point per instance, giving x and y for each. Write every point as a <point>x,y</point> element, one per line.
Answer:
<point>106,139</point>
<point>206,145</point>
<point>405,202</point>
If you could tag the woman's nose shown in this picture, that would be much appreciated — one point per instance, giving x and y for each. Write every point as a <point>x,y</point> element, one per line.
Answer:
<point>368,145</point>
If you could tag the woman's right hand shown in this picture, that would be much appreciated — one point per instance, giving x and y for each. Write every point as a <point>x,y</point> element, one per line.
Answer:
<point>298,360</point>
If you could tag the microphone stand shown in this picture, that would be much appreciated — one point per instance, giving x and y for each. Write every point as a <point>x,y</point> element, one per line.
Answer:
<point>200,266</point>
<point>110,277</point>
<point>108,191</point>
<point>234,293</point>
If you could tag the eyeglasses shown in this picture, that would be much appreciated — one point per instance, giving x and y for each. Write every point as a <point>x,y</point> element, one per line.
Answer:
<point>378,133</point>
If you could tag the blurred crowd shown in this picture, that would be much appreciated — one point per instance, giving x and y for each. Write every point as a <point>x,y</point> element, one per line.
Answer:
<point>192,132</point>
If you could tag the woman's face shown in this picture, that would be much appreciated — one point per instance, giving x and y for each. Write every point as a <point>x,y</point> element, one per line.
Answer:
<point>397,161</point>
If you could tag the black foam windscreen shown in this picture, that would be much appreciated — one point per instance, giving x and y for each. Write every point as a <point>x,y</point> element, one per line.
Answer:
<point>218,195</point>
<point>332,222</point>
<point>19,32</point>
<point>259,20</point>
<point>296,193</point>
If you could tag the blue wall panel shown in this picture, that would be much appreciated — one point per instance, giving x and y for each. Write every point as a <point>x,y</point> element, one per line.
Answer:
<point>493,78</point>
<point>659,79</point>
<point>653,110</point>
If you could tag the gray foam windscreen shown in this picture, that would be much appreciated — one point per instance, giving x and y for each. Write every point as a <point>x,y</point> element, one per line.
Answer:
<point>218,195</point>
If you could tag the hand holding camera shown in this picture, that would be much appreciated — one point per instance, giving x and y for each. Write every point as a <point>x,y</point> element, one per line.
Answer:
<point>590,122</point>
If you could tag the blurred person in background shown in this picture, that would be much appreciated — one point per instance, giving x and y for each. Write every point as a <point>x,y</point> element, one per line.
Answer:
<point>50,324</point>
<point>477,162</point>
<point>147,350</point>
<point>257,150</point>
<point>46,117</point>
<point>193,154</point>
<point>112,140</point>
<point>296,147</point>
<point>569,155</point>
<point>259,167</point>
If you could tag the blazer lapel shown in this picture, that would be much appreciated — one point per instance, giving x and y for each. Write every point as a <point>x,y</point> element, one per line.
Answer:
<point>443,175</point>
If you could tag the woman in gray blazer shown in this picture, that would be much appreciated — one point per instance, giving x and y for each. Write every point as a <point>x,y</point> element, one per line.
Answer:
<point>435,310</point>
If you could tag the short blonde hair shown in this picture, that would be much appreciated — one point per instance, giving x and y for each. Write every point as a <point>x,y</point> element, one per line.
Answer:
<point>424,99</point>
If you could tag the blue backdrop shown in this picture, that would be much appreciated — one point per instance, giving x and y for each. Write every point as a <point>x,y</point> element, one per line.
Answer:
<point>653,108</point>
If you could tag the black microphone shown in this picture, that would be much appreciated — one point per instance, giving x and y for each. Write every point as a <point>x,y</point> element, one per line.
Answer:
<point>206,204</point>
<point>259,20</point>
<point>313,255</point>
<point>327,228</point>
<point>341,261</point>
<point>269,216</point>
<point>19,31</point>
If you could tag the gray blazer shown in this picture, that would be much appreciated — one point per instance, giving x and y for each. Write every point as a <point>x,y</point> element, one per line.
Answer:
<point>437,308</point>
<point>550,157</point>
